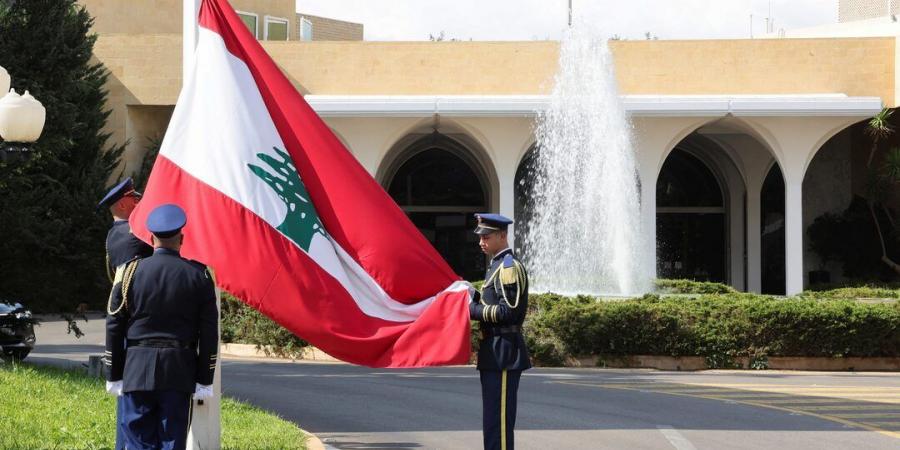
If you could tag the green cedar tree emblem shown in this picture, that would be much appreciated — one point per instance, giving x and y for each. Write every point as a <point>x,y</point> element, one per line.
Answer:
<point>302,222</point>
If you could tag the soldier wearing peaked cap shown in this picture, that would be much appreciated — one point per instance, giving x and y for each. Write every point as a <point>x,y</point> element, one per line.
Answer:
<point>121,247</point>
<point>164,307</point>
<point>500,308</point>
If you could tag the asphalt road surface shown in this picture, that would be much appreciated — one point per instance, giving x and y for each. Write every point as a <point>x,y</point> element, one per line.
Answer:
<point>352,407</point>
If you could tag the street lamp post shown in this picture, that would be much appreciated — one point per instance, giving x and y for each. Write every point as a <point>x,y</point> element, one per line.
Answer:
<point>22,120</point>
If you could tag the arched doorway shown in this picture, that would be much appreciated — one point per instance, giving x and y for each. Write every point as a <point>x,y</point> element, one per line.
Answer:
<point>850,189</point>
<point>691,222</point>
<point>440,185</point>
<point>772,233</point>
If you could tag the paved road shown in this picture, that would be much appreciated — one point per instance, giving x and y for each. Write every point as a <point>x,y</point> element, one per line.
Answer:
<point>358,408</point>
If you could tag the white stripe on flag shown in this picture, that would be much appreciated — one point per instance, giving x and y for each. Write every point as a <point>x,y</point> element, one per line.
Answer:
<point>219,126</point>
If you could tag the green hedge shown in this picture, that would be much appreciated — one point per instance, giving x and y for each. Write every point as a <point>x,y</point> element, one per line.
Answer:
<point>245,325</point>
<point>858,292</point>
<point>692,287</point>
<point>684,318</point>
<point>718,327</point>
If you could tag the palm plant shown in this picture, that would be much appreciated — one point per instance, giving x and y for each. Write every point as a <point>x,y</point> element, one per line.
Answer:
<point>881,181</point>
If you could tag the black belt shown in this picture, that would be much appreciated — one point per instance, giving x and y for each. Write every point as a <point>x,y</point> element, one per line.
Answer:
<point>162,343</point>
<point>497,331</point>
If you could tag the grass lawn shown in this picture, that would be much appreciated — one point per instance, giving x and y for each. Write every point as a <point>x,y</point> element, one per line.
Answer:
<point>47,408</point>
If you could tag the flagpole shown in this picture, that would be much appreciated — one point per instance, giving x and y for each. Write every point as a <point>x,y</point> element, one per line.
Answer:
<point>206,427</point>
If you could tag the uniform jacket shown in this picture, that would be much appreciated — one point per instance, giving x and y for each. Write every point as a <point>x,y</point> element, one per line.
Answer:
<point>122,246</point>
<point>503,304</point>
<point>168,298</point>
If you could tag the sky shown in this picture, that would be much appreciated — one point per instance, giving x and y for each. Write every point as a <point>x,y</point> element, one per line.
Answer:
<point>480,20</point>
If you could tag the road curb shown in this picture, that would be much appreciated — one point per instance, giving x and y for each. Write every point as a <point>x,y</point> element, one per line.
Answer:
<point>313,442</point>
<point>671,363</point>
<point>253,351</point>
<point>695,363</point>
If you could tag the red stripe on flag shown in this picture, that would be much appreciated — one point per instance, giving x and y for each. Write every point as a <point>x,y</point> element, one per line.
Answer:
<point>354,208</point>
<point>256,262</point>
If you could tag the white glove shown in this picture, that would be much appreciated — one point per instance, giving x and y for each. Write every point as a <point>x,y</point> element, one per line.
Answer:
<point>202,391</point>
<point>114,388</point>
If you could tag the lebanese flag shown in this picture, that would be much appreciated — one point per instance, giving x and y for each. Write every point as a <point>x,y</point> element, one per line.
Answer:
<point>291,223</point>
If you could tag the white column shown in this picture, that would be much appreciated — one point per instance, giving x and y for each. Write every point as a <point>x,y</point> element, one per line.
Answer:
<point>754,239</point>
<point>507,198</point>
<point>793,233</point>
<point>648,221</point>
<point>736,224</point>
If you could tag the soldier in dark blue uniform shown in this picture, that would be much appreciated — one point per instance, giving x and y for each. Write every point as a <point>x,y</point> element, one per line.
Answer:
<point>121,247</point>
<point>165,306</point>
<point>500,308</point>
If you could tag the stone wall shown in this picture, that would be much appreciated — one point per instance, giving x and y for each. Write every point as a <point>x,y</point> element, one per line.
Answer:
<point>164,16</point>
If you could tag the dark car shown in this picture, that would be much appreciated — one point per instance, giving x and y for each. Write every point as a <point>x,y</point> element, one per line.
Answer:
<point>16,330</point>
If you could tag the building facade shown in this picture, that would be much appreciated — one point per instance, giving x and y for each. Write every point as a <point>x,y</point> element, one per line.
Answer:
<point>315,28</point>
<point>853,10</point>
<point>765,127</point>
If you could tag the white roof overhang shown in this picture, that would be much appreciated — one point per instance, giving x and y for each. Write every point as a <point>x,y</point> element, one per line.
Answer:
<point>635,105</point>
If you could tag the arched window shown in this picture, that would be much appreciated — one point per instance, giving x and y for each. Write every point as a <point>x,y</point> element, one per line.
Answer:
<point>440,186</point>
<point>686,182</point>
<point>436,177</point>
<point>691,234</point>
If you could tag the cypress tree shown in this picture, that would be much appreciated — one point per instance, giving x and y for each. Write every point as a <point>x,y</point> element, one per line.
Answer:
<point>52,251</point>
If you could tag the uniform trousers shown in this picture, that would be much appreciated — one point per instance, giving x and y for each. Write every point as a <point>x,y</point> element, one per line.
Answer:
<point>120,422</point>
<point>498,399</point>
<point>156,419</point>
<point>120,425</point>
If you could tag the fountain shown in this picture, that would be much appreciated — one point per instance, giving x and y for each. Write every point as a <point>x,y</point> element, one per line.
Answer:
<point>583,233</point>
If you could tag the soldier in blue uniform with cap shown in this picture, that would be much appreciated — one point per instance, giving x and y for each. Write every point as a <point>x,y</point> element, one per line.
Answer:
<point>121,247</point>
<point>500,308</point>
<point>165,307</point>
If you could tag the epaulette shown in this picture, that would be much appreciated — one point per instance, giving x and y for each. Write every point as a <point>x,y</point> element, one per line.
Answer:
<point>120,270</point>
<point>509,273</point>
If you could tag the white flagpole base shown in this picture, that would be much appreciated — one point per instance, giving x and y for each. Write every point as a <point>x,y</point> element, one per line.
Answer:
<point>206,423</point>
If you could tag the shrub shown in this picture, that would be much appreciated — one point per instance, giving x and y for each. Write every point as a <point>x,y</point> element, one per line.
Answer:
<point>686,319</point>
<point>722,327</point>
<point>856,292</point>
<point>692,287</point>
<point>243,324</point>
